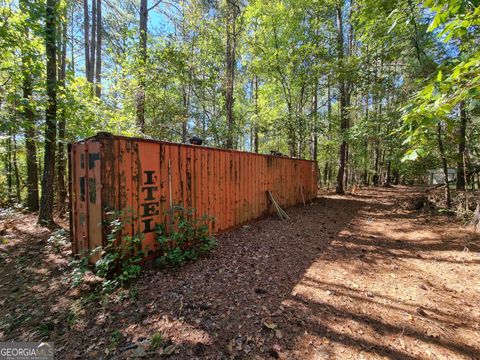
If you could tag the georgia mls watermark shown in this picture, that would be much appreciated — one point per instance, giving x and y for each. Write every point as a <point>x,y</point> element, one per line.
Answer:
<point>26,351</point>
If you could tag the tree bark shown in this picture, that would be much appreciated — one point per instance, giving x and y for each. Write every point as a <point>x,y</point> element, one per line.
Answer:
<point>61,163</point>
<point>315,120</point>
<point>98,60</point>
<point>29,128</point>
<point>257,115</point>
<point>15,169</point>
<point>388,177</point>
<point>93,41</point>
<point>186,105</point>
<point>86,38</point>
<point>462,145</point>
<point>8,168</point>
<point>230,69</point>
<point>46,203</point>
<point>143,58</point>
<point>343,104</point>
<point>441,148</point>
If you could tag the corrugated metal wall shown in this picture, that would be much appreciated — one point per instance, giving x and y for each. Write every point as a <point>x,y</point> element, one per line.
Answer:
<point>142,178</point>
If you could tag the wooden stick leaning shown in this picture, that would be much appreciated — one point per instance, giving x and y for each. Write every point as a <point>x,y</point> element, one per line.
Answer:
<point>281,213</point>
<point>303,197</point>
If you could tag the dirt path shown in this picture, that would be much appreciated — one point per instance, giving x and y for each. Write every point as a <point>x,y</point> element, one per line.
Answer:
<point>347,277</point>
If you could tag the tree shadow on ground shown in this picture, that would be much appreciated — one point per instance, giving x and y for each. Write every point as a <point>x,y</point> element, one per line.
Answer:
<point>255,295</point>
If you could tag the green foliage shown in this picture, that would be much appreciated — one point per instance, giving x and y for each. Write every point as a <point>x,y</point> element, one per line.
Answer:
<point>407,65</point>
<point>116,337</point>
<point>79,269</point>
<point>456,80</point>
<point>156,341</point>
<point>45,329</point>
<point>58,239</point>
<point>187,239</point>
<point>119,262</point>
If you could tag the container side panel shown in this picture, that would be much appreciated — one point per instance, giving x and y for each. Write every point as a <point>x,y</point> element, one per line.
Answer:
<point>228,180</point>
<point>136,174</point>
<point>150,198</point>
<point>182,161</point>
<point>189,201</point>
<point>80,193</point>
<point>110,188</point>
<point>163,182</point>
<point>124,211</point>
<point>175,176</point>
<point>94,197</point>
<point>199,180</point>
<point>73,187</point>
<point>211,187</point>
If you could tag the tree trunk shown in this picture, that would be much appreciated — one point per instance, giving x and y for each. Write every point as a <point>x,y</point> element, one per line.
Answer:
<point>61,165</point>
<point>325,173</point>
<point>444,165</point>
<point>376,176</point>
<point>257,115</point>
<point>186,104</point>
<point>98,67</point>
<point>93,41</point>
<point>72,41</point>
<point>388,177</point>
<point>230,69</point>
<point>86,38</point>
<point>46,203</point>
<point>143,56</point>
<point>462,145</point>
<point>343,104</point>
<point>8,168</point>
<point>315,120</point>
<point>15,169</point>
<point>29,121</point>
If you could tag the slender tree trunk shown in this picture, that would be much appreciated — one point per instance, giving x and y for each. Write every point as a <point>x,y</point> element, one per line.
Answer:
<point>257,115</point>
<point>15,169</point>
<point>46,203</point>
<point>388,177</point>
<point>143,58</point>
<point>72,41</point>
<point>186,105</point>
<point>98,66</point>
<point>31,159</point>
<point>315,120</point>
<point>343,104</point>
<point>29,121</point>
<point>86,38</point>
<point>230,27</point>
<point>462,145</point>
<point>93,41</point>
<point>444,165</point>
<point>9,167</point>
<point>61,163</point>
<point>325,173</point>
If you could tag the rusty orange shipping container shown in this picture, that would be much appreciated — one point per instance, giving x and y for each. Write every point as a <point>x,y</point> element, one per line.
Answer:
<point>142,178</point>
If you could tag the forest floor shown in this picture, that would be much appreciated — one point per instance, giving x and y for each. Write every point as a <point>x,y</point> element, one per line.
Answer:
<point>347,277</point>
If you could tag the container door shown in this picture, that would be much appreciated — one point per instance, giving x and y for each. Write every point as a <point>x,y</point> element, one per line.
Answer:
<point>93,198</point>
<point>86,202</point>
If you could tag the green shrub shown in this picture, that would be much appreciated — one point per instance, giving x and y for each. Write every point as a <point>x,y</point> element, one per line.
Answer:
<point>188,238</point>
<point>119,263</point>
